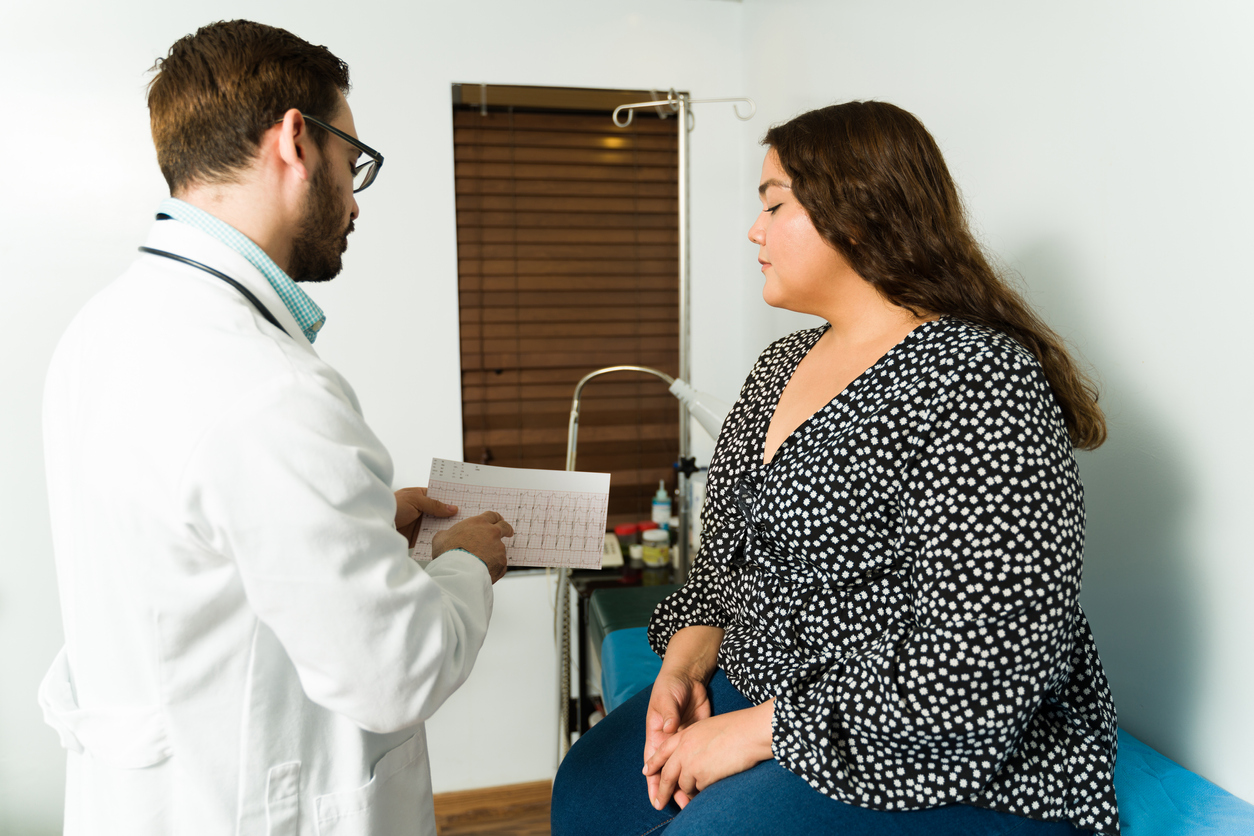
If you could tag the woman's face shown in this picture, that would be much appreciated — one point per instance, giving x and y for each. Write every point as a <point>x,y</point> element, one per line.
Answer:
<point>803,272</point>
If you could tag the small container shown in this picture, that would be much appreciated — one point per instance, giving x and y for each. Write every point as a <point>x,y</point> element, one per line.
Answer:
<point>635,556</point>
<point>628,534</point>
<point>657,548</point>
<point>661,505</point>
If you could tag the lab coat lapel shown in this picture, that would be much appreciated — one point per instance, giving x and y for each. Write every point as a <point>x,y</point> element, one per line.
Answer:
<point>182,239</point>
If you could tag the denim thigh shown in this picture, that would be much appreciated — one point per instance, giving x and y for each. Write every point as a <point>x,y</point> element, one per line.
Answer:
<point>600,788</point>
<point>600,791</point>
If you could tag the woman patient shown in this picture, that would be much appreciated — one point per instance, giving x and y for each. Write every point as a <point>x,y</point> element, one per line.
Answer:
<point>881,634</point>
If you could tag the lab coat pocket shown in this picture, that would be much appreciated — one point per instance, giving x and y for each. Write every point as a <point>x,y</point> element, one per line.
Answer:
<point>283,799</point>
<point>396,800</point>
<point>121,736</point>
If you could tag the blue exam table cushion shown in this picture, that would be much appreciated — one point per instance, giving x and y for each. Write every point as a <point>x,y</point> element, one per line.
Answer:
<point>1157,796</point>
<point>628,664</point>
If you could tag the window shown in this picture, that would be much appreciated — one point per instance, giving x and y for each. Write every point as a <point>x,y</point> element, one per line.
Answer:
<point>567,233</point>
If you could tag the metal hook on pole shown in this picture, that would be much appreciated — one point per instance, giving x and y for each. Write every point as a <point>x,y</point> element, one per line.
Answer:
<point>753,106</point>
<point>673,99</point>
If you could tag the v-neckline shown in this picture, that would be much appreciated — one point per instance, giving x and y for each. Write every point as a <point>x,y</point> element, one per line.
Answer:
<point>857,382</point>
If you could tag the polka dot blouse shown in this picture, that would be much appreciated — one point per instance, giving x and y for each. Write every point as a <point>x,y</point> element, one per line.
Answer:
<point>903,578</point>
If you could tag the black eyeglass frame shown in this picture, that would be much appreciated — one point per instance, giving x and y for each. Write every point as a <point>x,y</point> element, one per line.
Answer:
<point>375,157</point>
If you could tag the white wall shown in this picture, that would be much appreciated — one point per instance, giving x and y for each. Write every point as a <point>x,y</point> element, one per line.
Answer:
<point>80,190</point>
<point>1104,151</point>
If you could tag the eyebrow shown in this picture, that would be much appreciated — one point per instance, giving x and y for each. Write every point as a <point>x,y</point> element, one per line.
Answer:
<point>766,184</point>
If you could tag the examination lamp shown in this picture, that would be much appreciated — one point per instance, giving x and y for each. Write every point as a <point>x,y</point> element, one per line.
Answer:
<point>709,412</point>
<point>707,409</point>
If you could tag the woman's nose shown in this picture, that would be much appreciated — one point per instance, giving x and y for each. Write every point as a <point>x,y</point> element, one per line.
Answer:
<point>756,234</point>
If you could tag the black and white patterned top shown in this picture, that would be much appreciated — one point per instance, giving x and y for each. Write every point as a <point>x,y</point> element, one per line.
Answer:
<point>903,578</point>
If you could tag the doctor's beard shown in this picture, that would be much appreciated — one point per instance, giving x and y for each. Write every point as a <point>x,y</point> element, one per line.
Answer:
<point>320,244</point>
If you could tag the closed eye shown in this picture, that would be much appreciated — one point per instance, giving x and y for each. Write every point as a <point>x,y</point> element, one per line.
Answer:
<point>771,209</point>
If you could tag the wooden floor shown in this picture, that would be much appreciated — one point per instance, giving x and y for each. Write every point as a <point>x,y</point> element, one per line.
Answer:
<point>515,810</point>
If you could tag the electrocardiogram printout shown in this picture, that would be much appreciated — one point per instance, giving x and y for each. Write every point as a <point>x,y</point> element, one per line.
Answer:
<point>558,515</point>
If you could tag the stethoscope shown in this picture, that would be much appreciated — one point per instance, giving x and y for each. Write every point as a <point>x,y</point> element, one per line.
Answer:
<point>248,294</point>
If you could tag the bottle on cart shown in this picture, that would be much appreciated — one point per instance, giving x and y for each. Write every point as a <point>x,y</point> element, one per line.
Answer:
<point>662,505</point>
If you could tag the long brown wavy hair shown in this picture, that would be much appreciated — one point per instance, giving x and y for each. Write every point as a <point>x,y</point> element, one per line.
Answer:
<point>877,189</point>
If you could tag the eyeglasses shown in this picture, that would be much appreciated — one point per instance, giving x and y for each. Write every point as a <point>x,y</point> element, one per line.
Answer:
<point>363,173</point>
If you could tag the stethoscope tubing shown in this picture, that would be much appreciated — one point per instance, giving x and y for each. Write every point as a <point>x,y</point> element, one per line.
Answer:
<point>247,294</point>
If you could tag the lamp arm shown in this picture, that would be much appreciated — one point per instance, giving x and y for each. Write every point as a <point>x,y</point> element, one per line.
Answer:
<point>572,433</point>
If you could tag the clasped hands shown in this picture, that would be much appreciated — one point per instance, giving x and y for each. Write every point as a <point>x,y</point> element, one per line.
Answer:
<point>686,749</point>
<point>481,535</point>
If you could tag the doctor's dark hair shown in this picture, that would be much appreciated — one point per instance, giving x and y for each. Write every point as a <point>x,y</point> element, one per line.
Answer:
<point>874,183</point>
<point>219,90</point>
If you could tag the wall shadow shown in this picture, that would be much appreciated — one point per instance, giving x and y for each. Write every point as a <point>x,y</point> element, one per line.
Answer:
<point>1141,590</point>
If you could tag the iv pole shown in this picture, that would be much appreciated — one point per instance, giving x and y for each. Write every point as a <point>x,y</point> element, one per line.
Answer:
<point>680,104</point>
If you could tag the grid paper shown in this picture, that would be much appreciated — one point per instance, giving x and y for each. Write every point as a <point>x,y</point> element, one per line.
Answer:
<point>558,516</point>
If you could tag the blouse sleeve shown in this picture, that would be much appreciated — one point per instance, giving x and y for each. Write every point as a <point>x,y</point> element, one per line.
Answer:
<point>700,601</point>
<point>992,526</point>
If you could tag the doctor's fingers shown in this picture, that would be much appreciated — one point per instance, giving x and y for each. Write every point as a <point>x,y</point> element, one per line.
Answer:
<point>415,500</point>
<point>498,522</point>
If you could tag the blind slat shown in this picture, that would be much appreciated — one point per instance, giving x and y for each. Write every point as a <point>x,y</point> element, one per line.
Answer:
<point>609,356</point>
<point>468,137</point>
<point>578,282</point>
<point>577,220</point>
<point>570,299</point>
<point>489,346</point>
<point>467,253</point>
<point>515,155</point>
<point>642,313</point>
<point>578,188</point>
<point>567,235</point>
<point>593,398</point>
<point>489,422</point>
<point>625,172</point>
<point>602,410</point>
<point>566,203</point>
<point>627,329</point>
<point>557,435</point>
<point>479,377</point>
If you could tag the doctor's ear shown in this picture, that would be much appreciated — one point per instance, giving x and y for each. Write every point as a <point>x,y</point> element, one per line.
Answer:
<point>294,140</point>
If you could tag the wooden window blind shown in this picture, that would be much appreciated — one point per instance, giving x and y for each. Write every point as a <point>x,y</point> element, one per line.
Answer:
<point>567,262</point>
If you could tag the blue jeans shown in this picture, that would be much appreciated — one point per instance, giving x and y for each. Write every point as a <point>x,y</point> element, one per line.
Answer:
<point>600,791</point>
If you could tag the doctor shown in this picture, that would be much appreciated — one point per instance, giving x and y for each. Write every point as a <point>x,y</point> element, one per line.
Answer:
<point>249,648</point>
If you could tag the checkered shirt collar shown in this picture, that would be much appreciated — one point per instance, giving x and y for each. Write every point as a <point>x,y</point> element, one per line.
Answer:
<point>303,309</point>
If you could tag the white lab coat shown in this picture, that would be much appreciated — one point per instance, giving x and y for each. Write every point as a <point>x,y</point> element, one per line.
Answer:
<point>249,648</point>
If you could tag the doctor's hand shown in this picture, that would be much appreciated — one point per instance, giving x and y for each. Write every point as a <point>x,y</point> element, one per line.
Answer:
<point>411,504</point>
<point>481,536</point>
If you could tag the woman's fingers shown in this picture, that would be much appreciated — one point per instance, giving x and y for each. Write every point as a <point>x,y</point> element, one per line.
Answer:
<point>659,758</point>
<point>666,706</point>
<point>668,780</point>
<point>699,703</point>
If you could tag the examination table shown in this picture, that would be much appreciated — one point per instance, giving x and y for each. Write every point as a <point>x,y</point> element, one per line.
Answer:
<point>1157,797</point>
